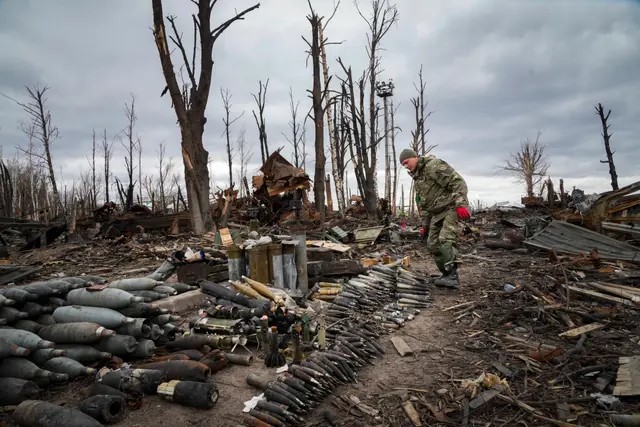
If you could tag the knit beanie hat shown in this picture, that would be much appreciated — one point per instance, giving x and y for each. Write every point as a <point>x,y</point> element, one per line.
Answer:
<point>407,153</point>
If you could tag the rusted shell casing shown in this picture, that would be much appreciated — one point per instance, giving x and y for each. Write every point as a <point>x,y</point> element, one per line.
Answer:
<point>140,328</point>
<point>216,360</point>
<point>10,349</point>
<point>83,353</point>
<point>202,395</point>
<point>137,381</point>
<point>17,390</point>
<point>33,309</point>
<point>65,365</point>
<point>181,287</point>
<point>25,339</point>
<point>163,272</point>
<point>42,355</point>
<point>165,290</point>
<point>119,345</point>
<point>192,353</point>
<point>184,370</point>
<point>19,295</point>
<point>36,413</point>
<point>103,316</point>
<point>172,356</point>
<point>142,310</point>
<point>239,359</point>
<point>190,342</point>
<point>107,409</point>
<point>220,291</point>
<point>75,333</point>
<point>135,284</point>
<point>103,389</point>
<point>19,367</point>
<point>108,298</point>
<point>145,348</point>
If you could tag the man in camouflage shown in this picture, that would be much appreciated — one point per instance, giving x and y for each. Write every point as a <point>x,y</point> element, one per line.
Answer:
<point>441,196</point>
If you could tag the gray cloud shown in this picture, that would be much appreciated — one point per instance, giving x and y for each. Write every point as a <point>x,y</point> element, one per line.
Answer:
<point>496,73</point>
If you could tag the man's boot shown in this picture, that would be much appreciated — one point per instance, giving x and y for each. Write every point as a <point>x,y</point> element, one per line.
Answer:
<point>449,280</point>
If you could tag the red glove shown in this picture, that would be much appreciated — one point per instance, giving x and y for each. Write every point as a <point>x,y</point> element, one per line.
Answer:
<point>462,212</point>
<point>424,232</point>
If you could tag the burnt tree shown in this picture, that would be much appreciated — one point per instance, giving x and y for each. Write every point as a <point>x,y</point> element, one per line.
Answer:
<point>92,164</point>
<point>130,145</point>
<point>364,145</point>
<point>530,164</point>
<point>228,121</point>
<point>165,169</point>
<point>607,144</point>
<point>107,153</point>
<point>330,111</point>
<point>296,133</point>
<point>245,153</point>
<point>190,100</point>
<point>419,134</point>
<point>41,128</point>
<point>318,114</point>
<point>261,102</point>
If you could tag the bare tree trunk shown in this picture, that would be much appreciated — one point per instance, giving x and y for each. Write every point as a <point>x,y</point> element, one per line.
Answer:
<point>295,130</point>
<point>130,146</point>
<point>394,192</point>
<point>387,152</point>
<point>94,188</point>
<point>261,100</point>
<point>327,184</point>
<point>382,19</point>
<point>318,116</point>
<point>333,134</point>
<point>190,102</point>
<point>42,129</point>
<point>139,146</point>
<point>607,147</point>
<point>107,153</point>
<point>227,121</point>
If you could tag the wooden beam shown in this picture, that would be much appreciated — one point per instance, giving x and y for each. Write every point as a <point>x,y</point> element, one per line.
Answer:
<point>401,346</point>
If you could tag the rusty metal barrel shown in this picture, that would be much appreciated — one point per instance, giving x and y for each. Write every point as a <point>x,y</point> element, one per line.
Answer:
<point>259,263</point>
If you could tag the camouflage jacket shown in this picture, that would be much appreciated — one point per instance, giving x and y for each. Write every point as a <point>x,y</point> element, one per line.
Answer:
<point>438,186</point>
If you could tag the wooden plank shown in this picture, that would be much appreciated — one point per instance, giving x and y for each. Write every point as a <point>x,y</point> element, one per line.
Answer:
<point>615,291</point>
<point>628,377</point>
<point>601,296</point>
<point>225,237</point>
<point>401,346</point>
<point>338,247</point>
<point>629,289</point>
<point>412,413</point>
<point>369,262</point>
<point>485,397</point>
<point>15,273</point>
<point>575,332</point>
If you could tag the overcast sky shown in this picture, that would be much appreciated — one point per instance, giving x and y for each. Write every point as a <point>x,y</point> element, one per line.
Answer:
<point>496,73</point>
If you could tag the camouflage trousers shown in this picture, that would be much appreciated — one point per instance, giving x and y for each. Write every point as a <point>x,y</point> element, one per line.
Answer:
<point>442,242</point>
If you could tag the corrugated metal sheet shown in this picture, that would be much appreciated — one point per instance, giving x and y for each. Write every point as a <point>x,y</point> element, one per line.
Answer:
<point>568,238</point>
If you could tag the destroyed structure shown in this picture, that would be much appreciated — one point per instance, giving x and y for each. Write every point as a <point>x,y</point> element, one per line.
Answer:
<point>297,318</point>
